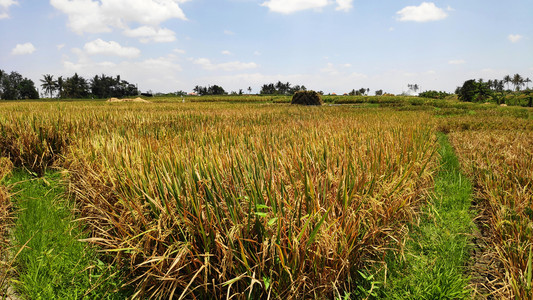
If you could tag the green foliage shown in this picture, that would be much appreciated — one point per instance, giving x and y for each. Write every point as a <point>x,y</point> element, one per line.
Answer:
<point>106,86</point>
<point>280,88</point>
<point>75,87</point>
<point>209,90</point>
<point>307,98</point>
<point>434,95</point>
<point>474,91</point>
<point>438,248</point>
<point>15,87</point>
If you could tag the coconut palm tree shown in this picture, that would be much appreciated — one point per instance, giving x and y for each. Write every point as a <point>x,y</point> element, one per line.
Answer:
<point>517,81</point>
<point>49,84</point>
<point>527,80</point>
<point>60,84</point>
<point>507,79</point>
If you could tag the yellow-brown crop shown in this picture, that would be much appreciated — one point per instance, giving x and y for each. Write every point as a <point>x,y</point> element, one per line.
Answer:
<point>500,163</point>
<point>216,199</point>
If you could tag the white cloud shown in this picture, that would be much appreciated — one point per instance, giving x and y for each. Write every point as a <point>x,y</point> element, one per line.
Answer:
<point>332,70</point>
<point>179,51</point>
<point>291,6</point>
<point>152,73</point>
<point>22,49</point>
<point>226,52</point>
<point>147,34</point>
<point>111,48</point>
<point>257,53</point>
<point>514,38</point>
<point>425,12</point>
<point>229,32</point>
<point>101,16</point>
<point>4,8</point>
<point>206,64</point>
<point>60,46</point>
<point>456,62</point>
<point>344,5</point>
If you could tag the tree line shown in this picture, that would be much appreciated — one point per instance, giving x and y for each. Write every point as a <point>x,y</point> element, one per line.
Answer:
<point>76,86</point>
<point>480,90</point>
<point>281,88</point>
<point>14,86</point>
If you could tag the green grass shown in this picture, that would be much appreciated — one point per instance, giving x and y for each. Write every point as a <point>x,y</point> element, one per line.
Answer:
<point>54,264</point>
<point>438,249</point>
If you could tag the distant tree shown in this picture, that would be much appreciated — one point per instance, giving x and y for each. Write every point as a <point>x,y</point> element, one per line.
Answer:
<point>200,90</point>
<point>507,79</point>
<point>379,93</point>
<point>362,91</point>
<point>14,87</point>
<point>76,87</point>
<point>27,89</point>
<point>249,90</point>
<point>413,87</point>
<point>106,86</point>
<point>268,89</point>
<point>433,94</point>
<point>216,90</point>
<point>2,74</point>
<point>281,88</point>
<point>474,91</point>
<point>49,84</point>
<point>60,85</point>
<point>209,90</point>
<point>517,81</point>
<point>10,83</point>
<point>526,81</point>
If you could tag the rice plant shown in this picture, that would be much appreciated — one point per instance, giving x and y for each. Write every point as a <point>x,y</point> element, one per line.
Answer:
<point>253,202</point>
<point>501,165</point>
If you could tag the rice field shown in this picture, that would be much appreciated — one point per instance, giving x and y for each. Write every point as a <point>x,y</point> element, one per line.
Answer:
<point>216,199</point>
<point>501,164</point>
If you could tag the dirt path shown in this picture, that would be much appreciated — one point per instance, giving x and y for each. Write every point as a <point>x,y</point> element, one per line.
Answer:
<point>484,266</point>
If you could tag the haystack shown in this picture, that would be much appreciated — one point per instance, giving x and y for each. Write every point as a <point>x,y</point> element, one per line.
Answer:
<point>307,98</point>
<point>138,99</point>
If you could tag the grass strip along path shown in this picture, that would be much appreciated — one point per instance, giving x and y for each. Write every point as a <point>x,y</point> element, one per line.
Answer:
<point>54,264</point>
<point>437,251</point>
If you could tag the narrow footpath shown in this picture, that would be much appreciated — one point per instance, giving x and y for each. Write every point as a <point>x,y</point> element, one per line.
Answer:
<point>438,251</point>
<point>51,262</point>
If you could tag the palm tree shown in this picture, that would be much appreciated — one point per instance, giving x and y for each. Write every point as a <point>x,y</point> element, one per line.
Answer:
<point>517,81</point>
<point>49,84</point>
<point>249,90</point>
<point>490,83</point>
<point>60,83</point>
<point>527,80</point>
<point>507,79</point>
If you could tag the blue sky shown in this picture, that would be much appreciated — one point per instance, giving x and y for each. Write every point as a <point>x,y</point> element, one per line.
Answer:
<point>328,45</point>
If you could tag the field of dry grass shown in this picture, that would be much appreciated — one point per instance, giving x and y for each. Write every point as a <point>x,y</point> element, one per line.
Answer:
<point>500,162</point>
<point>216,199</point>
<point>211,199</point>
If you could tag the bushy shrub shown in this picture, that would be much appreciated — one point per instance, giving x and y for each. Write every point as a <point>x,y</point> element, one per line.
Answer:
<point>307,98</point>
